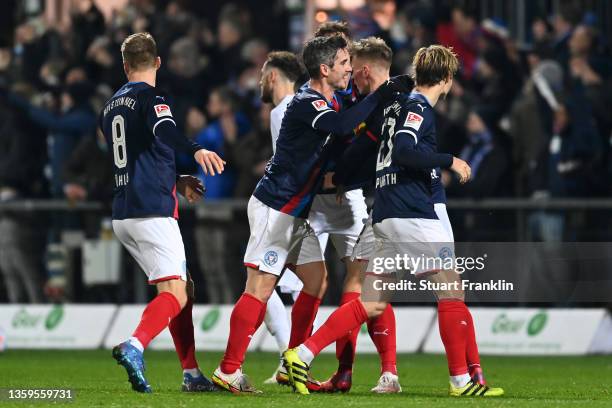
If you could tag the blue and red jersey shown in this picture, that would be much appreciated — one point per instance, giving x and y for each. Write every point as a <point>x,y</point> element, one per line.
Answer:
<point>140,130</point>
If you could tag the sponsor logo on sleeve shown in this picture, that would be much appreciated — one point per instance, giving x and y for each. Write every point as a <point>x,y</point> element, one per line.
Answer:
<point>162,110</point>
<point>320,105</point>
<point>413,120</point>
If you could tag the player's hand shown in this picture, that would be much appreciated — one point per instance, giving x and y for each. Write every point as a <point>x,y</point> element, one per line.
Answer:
<point>209,161</point>
<point>75,192</point>
<point>190,187</point>
<point>400,83</point>
<point>461,169</point>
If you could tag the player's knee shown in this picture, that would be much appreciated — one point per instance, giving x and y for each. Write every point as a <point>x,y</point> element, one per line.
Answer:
<point>450,294</point>
<point>262,293</point>
<point>323,287</point>
<point>374,309</point>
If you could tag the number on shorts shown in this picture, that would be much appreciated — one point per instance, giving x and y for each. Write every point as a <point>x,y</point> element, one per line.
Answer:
<point>119,149</point>
<point>386,147</point>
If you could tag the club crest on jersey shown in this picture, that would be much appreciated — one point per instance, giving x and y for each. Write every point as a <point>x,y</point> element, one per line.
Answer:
<point>320,105</point>
<point>270,258</point>
<point>162,110</point>
<point>413,120</point>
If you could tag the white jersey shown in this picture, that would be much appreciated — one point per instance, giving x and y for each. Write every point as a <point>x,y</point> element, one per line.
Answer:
<point>276,119</point>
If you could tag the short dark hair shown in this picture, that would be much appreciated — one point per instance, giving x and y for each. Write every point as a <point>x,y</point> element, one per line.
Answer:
<point>333,27</point>
<point>434,64</point>
<point>139,51</point>
<point>286,62</point>
<point>321,50</point>
<point>372,49</point>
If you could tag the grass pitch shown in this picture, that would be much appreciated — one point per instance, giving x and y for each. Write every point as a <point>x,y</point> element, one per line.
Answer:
<point>98,381</point>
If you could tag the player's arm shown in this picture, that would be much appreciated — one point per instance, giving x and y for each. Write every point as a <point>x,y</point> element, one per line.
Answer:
<point>162,124</point>
<point>412,125</point>
<point>356,159</point>
<point>342,123</point>
<point>437,189</point>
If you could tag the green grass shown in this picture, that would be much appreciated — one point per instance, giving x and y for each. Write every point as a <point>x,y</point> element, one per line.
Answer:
<point>98,381</point>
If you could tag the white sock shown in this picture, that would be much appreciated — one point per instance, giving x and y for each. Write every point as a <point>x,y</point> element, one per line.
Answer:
<point>136,343</point>
<point>194,372</point>
<point>305,354</point>
<point>460,381</point>
<point>277,321</point>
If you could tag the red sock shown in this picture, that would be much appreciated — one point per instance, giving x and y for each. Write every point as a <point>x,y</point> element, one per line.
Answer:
<point>346,345</point>
<point>303,313</point>
<point>471,347</point>
<point>453,325</point>
<point>382,333</point>
<point>244,322</point>
<point>156,316</point>
<point>181,329</point>
<point>349,316</point>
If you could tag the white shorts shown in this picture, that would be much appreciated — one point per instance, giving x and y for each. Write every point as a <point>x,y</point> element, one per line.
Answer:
<point>289,282</point>
<point>440,209</point>
<point>424,242</point>
<point>365,244</point>
<point>342,223</point>
<point>156,244</point>
<point>277,239</point>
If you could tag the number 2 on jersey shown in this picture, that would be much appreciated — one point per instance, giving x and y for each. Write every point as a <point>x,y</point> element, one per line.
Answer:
<point>386,147</point>
<point>119,147</point>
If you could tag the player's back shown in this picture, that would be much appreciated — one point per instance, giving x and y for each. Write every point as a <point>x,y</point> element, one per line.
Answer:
<point>144,167</point>
<point>403,192</point>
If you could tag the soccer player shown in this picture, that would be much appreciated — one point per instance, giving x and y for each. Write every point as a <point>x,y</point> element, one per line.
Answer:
<point>403,212</point>
<point>342,224</point>
<point>277,211</point>
<point>141,131</point>
<point>371,60</point>
<point>279,76</point>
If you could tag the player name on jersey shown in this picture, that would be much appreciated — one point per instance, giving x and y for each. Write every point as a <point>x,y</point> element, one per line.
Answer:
<point>121,101</point>
<point>386,180</point>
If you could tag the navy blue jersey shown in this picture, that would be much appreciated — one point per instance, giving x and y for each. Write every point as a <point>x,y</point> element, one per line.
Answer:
<point>357,166</point>
<point>296,170</point>
<point>402,190</point>
<point>140,130</point>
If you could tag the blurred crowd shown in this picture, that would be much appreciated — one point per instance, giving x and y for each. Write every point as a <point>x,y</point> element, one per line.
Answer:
<point>530,119</point>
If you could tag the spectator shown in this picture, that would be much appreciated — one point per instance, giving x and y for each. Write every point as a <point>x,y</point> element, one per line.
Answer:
<point>87,172</point>
<point>255,152</point>
<point>484,155</point>
<point>22,157</point>
<point>66,128</point>
<point>226,128</point>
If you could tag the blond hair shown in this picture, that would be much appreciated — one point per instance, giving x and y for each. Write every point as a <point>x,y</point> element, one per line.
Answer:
<point>373,49</point>
<point>139,51</point>
<point>434,64</point>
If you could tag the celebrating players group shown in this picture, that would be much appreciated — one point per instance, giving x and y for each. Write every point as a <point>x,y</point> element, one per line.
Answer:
<point>348,127</point>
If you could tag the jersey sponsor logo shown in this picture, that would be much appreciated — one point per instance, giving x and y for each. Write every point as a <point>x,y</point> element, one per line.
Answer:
<point>413,120</point>
<point>162,110</point>
<point>320,105</point>
<point>270,258</point>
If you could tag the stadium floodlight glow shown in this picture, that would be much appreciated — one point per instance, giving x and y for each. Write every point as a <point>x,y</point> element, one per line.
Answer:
<point>321,17</point>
